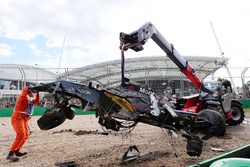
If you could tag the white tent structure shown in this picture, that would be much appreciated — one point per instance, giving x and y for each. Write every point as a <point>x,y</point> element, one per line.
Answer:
<point>25,73</point>
<point>13,78</point>
<point>142,68</point>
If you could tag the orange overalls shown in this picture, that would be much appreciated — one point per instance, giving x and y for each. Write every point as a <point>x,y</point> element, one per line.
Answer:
<point>20,118</point>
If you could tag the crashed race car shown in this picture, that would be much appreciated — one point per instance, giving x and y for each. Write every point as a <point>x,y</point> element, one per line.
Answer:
<point>116,104</point>
<point>113,106</point>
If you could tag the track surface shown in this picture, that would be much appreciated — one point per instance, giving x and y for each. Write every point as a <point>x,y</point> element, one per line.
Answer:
<point>81,140</point>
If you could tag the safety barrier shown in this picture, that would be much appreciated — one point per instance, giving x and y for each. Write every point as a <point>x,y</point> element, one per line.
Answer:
<point>245,103</point>
<point>7,112</point>
<point>242,152</point>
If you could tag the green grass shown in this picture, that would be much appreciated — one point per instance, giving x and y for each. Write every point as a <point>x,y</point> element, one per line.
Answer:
<point>247,109</point>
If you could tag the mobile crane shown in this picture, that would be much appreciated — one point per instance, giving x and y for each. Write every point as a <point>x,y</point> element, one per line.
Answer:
<point>219,99</point>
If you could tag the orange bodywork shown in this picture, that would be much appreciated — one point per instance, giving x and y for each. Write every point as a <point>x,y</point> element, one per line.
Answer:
<point>19,119</point>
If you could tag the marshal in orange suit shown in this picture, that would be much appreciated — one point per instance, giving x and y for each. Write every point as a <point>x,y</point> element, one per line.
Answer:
<point>22,113</point>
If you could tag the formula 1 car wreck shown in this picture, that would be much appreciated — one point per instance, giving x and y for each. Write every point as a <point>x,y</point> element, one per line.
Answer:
<point>113,106</point>
<point>116,104</point>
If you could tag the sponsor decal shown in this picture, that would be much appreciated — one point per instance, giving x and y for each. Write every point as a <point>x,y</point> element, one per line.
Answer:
<point>143,90</point>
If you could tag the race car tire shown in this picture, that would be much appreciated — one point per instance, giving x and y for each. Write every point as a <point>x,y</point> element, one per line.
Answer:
<point>70,113</point>
<point>218,127</point>
<point>51,119</point>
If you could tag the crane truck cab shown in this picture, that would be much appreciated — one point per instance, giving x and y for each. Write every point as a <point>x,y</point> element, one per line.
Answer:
<point>231,107</point>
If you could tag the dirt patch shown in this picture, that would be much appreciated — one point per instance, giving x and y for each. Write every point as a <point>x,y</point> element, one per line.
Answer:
<point>82,132</point>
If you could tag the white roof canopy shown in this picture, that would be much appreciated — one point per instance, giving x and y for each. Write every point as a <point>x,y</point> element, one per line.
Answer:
<point>25,73</point>
<point>143,68</point>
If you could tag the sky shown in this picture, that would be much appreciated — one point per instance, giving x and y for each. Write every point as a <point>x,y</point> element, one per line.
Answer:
<point>73,33</point>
